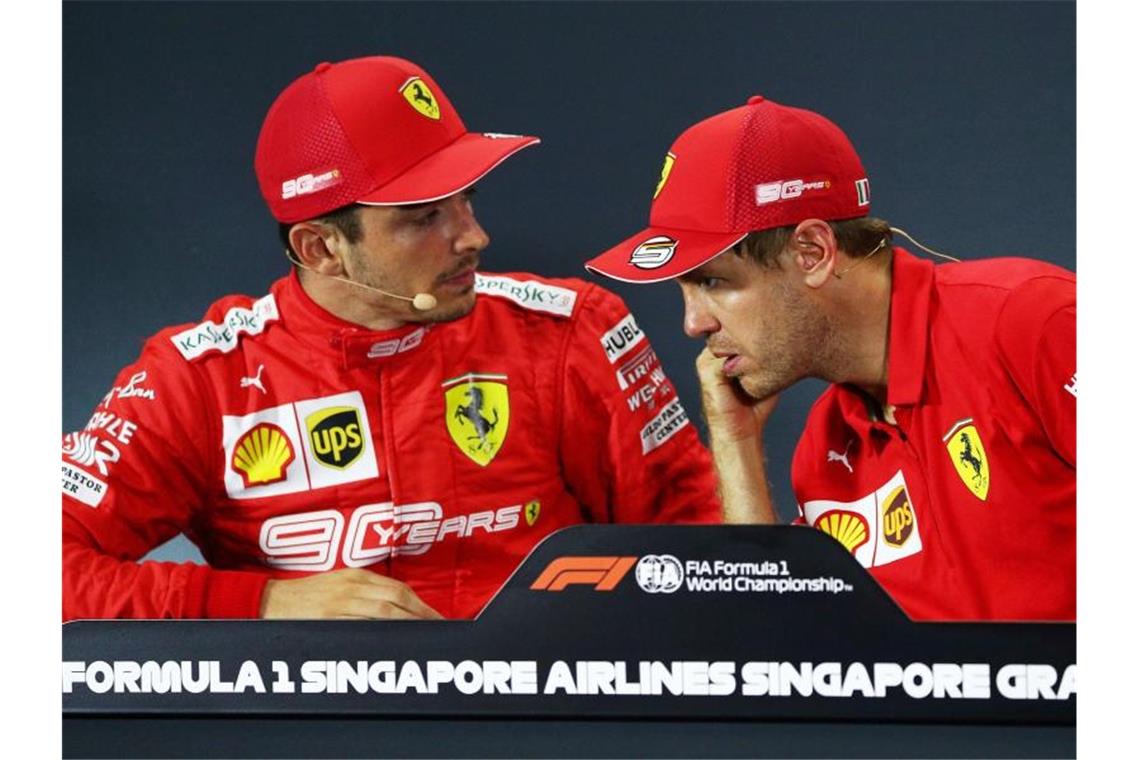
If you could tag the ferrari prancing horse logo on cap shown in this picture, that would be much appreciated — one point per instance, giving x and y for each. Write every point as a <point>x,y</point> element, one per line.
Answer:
<point>420,97</point>
<point>969,457</point>
<point>670,159</point>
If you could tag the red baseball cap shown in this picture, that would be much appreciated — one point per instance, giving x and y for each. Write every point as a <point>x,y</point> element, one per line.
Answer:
<point>377,131</point>
<point>756,167</point>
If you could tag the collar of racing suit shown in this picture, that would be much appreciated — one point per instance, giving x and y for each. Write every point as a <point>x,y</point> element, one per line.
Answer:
<point>912,289</point>
<point>912,297</point>
<point>358,346</point>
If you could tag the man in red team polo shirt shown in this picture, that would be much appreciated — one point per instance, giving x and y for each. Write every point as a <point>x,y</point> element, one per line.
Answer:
<point>389,431</point>
<point>943,455</point>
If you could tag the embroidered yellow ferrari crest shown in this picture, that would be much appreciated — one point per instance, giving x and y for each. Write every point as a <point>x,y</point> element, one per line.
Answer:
<point>665,170</point>
<point>969,457</point>
<point>531,510</point>
<point>478,413</point>
<point>420,97</point>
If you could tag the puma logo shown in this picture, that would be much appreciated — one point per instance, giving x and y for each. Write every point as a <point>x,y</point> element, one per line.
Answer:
<point>255,381</point>
<point>835,456</point>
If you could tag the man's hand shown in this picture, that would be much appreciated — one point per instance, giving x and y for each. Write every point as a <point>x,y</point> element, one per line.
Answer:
<point>736,421</point>
<point>731,413</point>
<point>350,593</point>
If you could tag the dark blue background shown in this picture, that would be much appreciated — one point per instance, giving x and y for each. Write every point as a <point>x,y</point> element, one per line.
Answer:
<point>964,115</point>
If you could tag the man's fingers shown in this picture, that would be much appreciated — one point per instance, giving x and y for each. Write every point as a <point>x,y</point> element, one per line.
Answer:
<point>409,601</point>
<point>369,607</point>
<point>399,596</point>
<point>349,593</point>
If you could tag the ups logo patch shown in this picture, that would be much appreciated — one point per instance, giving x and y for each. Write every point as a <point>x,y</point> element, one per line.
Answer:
<point>898,517</point>
<point>335,436</point>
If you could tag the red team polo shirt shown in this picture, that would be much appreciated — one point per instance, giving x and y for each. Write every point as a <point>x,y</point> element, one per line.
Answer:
<point>966,508</point>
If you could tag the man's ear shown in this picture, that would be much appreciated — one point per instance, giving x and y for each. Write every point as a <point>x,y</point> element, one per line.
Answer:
<point>320,247</point>
<point>814,250</point>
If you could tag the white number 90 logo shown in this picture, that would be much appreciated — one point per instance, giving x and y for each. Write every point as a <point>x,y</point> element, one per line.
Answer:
<point>310,541</point>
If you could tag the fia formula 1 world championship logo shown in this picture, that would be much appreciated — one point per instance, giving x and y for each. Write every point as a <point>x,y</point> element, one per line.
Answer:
<point>659,573</point>
<point>655,573</point>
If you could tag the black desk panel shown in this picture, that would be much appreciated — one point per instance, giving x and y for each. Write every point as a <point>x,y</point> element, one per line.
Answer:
<point>608,640</point>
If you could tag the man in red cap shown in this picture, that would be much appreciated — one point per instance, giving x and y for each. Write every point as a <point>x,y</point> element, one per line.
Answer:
<point>943,457</point>
<point>388,432</point>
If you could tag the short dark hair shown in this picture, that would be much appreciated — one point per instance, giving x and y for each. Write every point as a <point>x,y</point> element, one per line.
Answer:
<point>345,219</point>
<point>854,236</point>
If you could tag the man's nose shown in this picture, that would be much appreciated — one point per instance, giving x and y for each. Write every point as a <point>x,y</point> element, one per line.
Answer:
<point>699,322</point>
<point>472,238</point>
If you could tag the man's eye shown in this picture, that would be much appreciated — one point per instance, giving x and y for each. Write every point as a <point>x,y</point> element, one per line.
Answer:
<point>426,219</point>
<point>710,283</point>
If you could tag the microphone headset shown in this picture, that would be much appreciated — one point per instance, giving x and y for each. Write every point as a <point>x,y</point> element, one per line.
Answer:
<point>883,243</point>
<point>420,301</point>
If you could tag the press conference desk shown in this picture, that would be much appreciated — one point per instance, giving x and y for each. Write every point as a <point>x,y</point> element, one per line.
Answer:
<point>662,641</point>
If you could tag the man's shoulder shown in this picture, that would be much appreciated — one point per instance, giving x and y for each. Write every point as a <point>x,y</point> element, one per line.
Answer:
<point>221,329</point>
<point>1017,296</point>
<point>1002,274</point>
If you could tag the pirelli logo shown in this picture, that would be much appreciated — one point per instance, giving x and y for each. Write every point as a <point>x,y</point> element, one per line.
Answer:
<point>603,573</point>
<point>642,363</point>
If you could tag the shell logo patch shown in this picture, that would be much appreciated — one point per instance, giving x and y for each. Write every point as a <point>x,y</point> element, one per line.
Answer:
<point>262,455</point>
<point>968,455</point>
<point>666,170</point>
<point>478,412</point>
<point>531,510</point>
<point>420,97</point>
<point>653,253</point>
<point>898,517</point>
<point>848,528</point>
<point>878,527</point>
<point>298,446</point>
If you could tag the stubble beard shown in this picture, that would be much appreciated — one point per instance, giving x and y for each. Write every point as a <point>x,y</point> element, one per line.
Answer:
<point>798,344</point>
<point>449,312</point>
<point>454,309</point>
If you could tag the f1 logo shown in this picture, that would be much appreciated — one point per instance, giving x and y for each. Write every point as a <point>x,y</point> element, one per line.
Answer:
<point>603,573</point>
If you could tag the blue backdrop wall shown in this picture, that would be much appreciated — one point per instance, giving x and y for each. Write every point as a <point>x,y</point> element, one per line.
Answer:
<point>964,115</point>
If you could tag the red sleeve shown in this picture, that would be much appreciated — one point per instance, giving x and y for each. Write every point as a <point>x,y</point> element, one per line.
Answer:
<point>133,478</point>
<point>629,452</point>
<point>1037,342</point>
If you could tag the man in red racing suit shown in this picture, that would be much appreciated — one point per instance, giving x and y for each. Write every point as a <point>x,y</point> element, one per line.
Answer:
<point>335,453</point>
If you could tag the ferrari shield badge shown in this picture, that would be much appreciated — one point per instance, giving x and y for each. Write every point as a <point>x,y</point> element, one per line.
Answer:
<point>969,457</point>
<point>531,510</point>
<point>478,413</point>
<point>665,171</point>
<point>420,97</point>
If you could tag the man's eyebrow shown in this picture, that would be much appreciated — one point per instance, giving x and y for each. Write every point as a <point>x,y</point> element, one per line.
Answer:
<point>414,206</point>
<point>417,206</point>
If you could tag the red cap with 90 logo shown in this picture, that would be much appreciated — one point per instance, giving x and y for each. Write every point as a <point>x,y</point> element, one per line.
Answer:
<point>377,131</point>
<point>756,167</point>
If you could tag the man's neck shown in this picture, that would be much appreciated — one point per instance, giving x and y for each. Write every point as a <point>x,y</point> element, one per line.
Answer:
<point>349,302</point>
<point>864,318</point>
